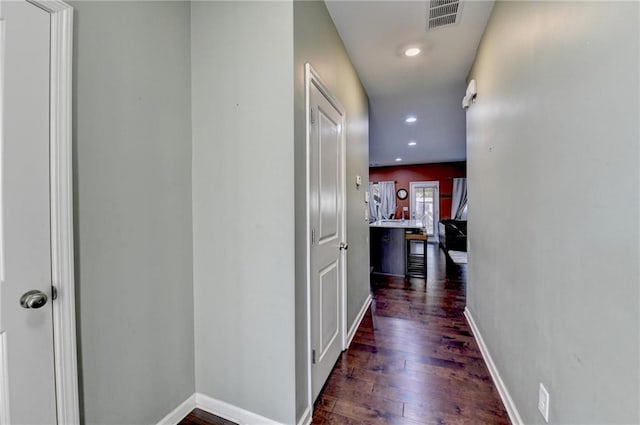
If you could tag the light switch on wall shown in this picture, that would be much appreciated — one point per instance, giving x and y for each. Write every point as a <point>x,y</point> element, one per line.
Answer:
<point>358,181</point>
<point>543,402</point>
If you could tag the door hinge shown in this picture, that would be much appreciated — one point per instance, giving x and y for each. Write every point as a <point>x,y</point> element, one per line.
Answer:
<point>54,292</point>
<point>312,116</point>
<point>313,236</point>
<point>313,356</point>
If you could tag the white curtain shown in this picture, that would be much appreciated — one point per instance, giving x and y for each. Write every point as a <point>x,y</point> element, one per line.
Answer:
<point>387,198</point>
<point>459,199</point>
<point>373,204</point>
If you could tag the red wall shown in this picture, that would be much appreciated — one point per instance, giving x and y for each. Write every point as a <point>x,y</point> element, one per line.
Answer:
<point>403,174</point>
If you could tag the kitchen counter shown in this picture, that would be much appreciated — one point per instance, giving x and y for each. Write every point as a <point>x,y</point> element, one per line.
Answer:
<point>388,245</point>
<point>398,224</point>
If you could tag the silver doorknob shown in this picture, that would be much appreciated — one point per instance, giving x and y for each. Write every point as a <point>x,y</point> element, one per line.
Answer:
<point>33,299</point>
<point>344,245</point>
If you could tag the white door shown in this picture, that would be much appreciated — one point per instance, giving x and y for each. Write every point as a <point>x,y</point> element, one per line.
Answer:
<point>425,204</point>
<point>326,206</point>
<point>27,393</point>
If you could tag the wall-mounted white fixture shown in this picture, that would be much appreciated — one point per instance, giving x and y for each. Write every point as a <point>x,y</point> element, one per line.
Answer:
<point>543,402</point>
<point>412,143</point>
<point>410,119</point>
<point>470,96</point>
<point>398,159</point>
<point>358,181</point>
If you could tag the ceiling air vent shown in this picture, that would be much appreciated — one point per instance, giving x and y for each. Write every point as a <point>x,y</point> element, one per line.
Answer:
<point>442,13</point>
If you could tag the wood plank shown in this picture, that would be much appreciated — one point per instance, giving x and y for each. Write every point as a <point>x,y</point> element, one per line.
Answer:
<point>200,417</point>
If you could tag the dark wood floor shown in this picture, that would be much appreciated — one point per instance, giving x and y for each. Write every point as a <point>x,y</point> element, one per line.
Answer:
<point>200,417</point>
<point>413,360</point>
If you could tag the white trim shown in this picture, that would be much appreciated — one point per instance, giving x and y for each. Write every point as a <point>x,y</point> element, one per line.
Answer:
<point>312,77</point>
<point>231,412</point>
<point>306,417</point>
<point>61,193</point>
<point>307,113</point>
<point>359,317</point>
<point>343,219</point>
<point>219,408</point>
<point>508,402</point>
<point>4,381</point>
<point>179,413</point>
<point>52,7</point>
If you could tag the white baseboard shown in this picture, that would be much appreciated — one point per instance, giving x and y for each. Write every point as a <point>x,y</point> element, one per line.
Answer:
<point>306,417</point>
<point>179,413</point>
<point>509,404</point>
<point>359,317</point>
<point>215,407</point>
<point>231,412</point>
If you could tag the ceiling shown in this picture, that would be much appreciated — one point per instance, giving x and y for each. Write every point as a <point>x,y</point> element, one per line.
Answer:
<point>429,86</point>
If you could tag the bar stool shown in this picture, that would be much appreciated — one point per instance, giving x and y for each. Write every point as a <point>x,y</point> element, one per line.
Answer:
<point>416,264</point>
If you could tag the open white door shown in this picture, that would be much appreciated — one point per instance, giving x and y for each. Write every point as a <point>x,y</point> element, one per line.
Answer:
<point>35,229</point>
<point>327,227</point>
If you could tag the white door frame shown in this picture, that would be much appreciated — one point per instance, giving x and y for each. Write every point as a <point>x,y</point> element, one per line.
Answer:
<point>312,77</point>
<point>61,208</point>
<point>436,202</point>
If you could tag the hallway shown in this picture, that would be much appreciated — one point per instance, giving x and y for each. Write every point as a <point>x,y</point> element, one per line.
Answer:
<point>413,359</point>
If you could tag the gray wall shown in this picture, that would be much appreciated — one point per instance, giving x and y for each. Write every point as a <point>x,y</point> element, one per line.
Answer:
<point>317,42</point>
<point>132,154</point>
<point>553,206</point>
<point>243,204</point>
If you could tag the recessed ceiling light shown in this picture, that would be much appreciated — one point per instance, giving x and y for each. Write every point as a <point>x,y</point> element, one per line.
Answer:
<point>412,51</point>
<point>412,143</point>
<point>398,159</point>
<point>410,119</point>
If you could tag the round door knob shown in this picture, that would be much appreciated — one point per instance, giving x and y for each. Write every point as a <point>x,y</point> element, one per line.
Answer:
<point>33,299</point>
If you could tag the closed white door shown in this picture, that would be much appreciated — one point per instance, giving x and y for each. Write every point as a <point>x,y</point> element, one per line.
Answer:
<point>327,247</point>
<point>27,391</point>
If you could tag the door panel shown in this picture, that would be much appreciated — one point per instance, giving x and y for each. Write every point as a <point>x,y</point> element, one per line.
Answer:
<point>329,311</point>
<point>329,158</point>
<point>26,236</point>
<point>326,218</point>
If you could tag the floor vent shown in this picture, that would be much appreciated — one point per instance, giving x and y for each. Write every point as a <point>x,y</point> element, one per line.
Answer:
<point>442,13</point>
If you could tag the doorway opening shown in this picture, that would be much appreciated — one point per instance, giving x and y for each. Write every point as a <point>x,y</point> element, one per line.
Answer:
<point>425,205</point>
